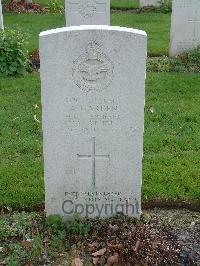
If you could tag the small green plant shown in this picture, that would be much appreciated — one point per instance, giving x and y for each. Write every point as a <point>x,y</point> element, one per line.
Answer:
<point>58,243</point>
<point>37,247</point>
<point>164,64</point>
<point>23,222</point>
<point>120,217</point>
<point>191,57</point>
<point>13,54</point>
<point>78,226</point>
<point>54,6</point>
<point>6,230</point>
<point>166,6</point>
<point>186,62</point>
<point>4,2</point>
<point>55,223</point>
<point>18,255</point>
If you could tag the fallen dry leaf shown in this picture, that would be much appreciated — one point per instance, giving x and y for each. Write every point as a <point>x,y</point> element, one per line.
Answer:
<point>29,263</point>
<point>135,248</point>
<point>35,119</point>
<point>100,252</point>
<point>26,244</point>
<point>114,227</point>
<point>117,246</point>
<point>95,260</point>
<point>151,109</point>
<point>77,262</point>
<point>112,260</point>
<point>36,106</point>
<point>93,245</point>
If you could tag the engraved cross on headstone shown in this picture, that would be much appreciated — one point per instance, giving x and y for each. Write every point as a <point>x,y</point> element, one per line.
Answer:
<point>93,157</point>
<point>87,8</point>
<point>196,20</point>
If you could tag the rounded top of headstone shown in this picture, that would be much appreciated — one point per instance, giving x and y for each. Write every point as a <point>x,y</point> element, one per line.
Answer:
<point>93,27</point>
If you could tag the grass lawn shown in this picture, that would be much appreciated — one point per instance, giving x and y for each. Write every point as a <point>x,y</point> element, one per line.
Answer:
<point>171,167</point>
<point>157,26</point>
<point>33,24</point>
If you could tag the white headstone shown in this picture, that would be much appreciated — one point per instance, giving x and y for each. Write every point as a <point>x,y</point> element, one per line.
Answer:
<point>87,12</point>
<point>185,26</point>
<point>155,3</point>
<point>1,17</point>
<point>93,119</point>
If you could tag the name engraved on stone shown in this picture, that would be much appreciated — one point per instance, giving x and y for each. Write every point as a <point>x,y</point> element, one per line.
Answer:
<point>101,112</point>
<point>93,157</point>
<point>93,70</point>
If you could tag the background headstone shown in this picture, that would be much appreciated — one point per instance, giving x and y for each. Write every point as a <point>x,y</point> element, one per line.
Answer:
<point>1,17</point>
<point>155,3</point>
<point>87,12</point>
<point>185,26</point>
<point>93,119</point>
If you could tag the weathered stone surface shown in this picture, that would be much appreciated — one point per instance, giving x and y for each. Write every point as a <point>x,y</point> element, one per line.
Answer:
<point>155,3</point>
<point>1,17</point>
<point>87,12</point>
<point>93,80</point>
<point>185,26</point>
